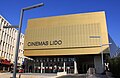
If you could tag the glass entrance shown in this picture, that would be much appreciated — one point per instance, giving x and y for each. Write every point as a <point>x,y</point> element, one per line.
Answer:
<point>53,65</point>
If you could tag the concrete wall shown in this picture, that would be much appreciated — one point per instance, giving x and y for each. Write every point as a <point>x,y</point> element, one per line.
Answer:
<point>98,64</point>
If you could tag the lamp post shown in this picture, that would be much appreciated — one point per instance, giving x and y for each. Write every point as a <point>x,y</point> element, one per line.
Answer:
<point>102,58</point>
<point>19,32</point>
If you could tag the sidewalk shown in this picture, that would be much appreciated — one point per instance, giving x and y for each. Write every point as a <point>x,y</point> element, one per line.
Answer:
<point>28,75</point>
<point>48,75</point>
<point>84,76</point>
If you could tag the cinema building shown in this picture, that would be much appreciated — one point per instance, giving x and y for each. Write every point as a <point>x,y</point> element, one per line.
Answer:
<point>71,43</point>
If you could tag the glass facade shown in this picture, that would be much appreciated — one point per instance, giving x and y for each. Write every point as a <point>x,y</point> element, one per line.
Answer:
<point>56,64</point>
<point>51,65</point>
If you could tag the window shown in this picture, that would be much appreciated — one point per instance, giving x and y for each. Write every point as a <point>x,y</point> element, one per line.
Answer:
<point>54,59</point>
<point>2,53</point>
<point>0,43</point>
<point>3,45</point>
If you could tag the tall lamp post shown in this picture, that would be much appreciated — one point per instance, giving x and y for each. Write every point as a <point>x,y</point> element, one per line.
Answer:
<point>19,32</point>
<point>102,58</point>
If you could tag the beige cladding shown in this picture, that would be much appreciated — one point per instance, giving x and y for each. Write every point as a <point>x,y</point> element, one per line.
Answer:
<point>73,30</point>
<point>8,37</point>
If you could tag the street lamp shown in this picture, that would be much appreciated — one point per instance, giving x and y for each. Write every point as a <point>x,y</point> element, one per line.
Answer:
<point>102,58</point>
<point>10,26</point>
<point>19,32</point>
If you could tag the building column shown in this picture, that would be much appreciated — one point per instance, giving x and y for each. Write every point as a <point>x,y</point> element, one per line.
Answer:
<point>8,68</point>
<point>98,64</point>
<point>64,67</point>
<point>41,67</point>
<point>3,68</point>
<point>75,67</point>
<point>34,67</point>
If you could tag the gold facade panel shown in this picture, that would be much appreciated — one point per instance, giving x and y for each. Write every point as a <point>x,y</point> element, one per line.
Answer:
<point>61,52</point>
<point>69,31</point>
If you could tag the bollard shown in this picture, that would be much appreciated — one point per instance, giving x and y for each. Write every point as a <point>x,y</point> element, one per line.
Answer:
<point>19,75</point>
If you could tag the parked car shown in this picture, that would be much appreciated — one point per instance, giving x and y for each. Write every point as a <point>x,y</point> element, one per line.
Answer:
<point>21,70</point>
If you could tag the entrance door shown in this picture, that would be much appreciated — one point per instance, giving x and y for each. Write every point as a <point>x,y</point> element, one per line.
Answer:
<point>84,63</point>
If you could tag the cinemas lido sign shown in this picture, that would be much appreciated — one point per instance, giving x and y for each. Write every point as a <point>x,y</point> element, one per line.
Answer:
<point>45,43</point>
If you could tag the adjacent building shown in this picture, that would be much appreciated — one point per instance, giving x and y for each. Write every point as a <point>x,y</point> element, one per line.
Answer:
<point>118,52</point>
<point>8,38</point>
<point>70,43</point>
<point>114,49</point>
